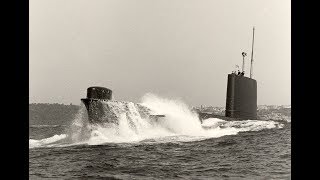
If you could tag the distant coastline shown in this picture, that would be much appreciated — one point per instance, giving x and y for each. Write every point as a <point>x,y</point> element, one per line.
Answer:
<point>51,114</point>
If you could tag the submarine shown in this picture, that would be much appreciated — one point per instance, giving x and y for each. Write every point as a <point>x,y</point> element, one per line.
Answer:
<point>241,100</point>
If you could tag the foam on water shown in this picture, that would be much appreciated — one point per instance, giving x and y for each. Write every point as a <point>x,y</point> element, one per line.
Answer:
<point>178,125</point>
<point>37,143</point>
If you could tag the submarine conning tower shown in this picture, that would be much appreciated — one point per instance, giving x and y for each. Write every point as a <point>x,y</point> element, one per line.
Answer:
<point>241,101</point>
<point>95,96</point>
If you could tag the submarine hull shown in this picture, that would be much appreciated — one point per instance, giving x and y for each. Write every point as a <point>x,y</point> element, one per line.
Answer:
<point>94,103</point>
<point>96,111</point>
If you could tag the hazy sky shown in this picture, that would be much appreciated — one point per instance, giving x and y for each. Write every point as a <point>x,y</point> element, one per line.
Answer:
<point>174,48</point>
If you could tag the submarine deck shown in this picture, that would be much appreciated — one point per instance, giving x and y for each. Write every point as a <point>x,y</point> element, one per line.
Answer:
<point>206,115</point>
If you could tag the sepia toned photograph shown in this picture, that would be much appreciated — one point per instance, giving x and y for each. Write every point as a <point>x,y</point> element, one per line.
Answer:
<point>159,89</point>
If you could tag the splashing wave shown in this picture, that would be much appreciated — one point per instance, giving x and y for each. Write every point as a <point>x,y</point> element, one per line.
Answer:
<point>179,124</point>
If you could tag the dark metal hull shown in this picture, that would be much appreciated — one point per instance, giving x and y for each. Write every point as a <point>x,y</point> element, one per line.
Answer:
<point>96,111</point>
<point>241,101</point>
<point>96,96</point>
<point>101,111</point>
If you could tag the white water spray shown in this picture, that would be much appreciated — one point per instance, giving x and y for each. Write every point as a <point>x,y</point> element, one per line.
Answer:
<point>134,125</point>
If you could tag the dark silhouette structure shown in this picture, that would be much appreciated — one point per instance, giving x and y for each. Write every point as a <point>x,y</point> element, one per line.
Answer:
<point>95,97</point>
<point>241,100</point>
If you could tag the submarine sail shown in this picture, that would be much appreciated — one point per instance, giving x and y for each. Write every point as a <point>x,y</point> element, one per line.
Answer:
<point>241,100</point>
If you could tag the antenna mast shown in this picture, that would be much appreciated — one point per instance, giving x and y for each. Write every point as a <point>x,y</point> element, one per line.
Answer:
<point>252,54</point>
<point>243,55</point>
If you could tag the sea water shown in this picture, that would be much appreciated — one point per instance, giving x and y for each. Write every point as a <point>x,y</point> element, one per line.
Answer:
<point>176,146</point>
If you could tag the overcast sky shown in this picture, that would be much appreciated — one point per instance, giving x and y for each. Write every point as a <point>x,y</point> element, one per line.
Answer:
<point>174,48</point>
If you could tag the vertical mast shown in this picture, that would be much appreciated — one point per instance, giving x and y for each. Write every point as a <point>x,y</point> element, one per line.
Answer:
<point>242,63</point>
<point>252,54</point>
<point>243,55</point>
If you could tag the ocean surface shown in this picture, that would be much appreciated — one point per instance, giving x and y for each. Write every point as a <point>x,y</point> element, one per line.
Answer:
<point>177,147</point>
